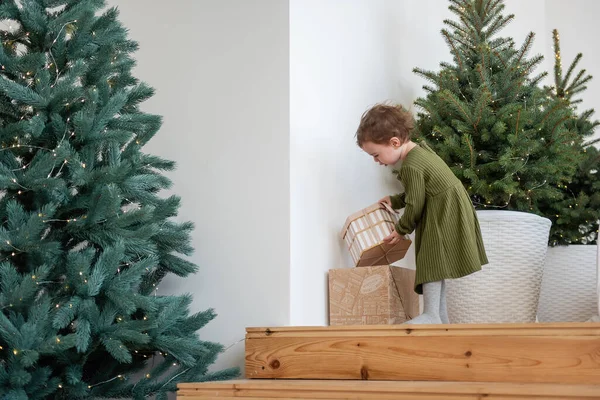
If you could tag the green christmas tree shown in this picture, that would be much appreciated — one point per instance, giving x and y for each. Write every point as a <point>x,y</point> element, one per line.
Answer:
<point>85,238</point>
<point>489,118</point>
<point>575,215</point>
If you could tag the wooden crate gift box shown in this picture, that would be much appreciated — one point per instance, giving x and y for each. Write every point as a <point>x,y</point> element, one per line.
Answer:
<point>372,295</point>
<point>364,232</point>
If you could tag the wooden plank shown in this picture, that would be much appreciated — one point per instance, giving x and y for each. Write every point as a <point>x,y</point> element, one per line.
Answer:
<point>528,353</point>
<point>537,329</point>
<point>382,390</point>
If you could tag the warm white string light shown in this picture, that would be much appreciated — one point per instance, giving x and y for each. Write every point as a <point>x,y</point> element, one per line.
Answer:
<point>53,43</point>
<point>107,381</point>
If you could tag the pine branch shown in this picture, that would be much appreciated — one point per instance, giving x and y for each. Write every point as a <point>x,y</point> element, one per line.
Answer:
<point>481,105</point>
<point>478,23</point>
<point>453,100</point>
<point>457,54</point>
<point>459,40</point>
<point>499,43</point>
<point>459,3</point>
<point>469,24</point>
<point>456,26</point>
<point>422,103</point>
<point>448,66</point>
<point>559,123</point>
<point>591,142</point>
<point>428,89</point>
<point>463,10</point>
<point>482,54</point>
<point>558,80</point>
<point>528,67</point>
<point>482,76</point>
<point>587,114</point>
<point>532,63</point>
<point>428,75</point>
<point>494,7</point>
<point>572,68</point>
<point>458,10</point>
<point>467,140</point>
<point>525,48</point>
<point>550,112</point>
<point>499,57</point>
<point>579,89</point>
<point>482,8</point>
<point>577,83</point>
<point>536,80</point>
<point>499,23</point>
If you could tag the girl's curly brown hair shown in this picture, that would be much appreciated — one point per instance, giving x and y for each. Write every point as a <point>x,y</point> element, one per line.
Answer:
<point>384,121</point>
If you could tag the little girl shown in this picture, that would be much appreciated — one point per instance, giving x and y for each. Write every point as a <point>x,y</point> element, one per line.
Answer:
<point>448,240</point>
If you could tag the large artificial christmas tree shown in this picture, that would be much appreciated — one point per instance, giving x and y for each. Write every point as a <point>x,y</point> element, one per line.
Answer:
<point>489,118</point>
<point>576,213</point>
<point>85,238</point>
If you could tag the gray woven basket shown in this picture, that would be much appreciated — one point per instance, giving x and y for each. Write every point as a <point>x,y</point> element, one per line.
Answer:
<point>507,289</point>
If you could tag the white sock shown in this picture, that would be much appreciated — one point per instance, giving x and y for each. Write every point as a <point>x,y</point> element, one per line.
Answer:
<point>432,293</point>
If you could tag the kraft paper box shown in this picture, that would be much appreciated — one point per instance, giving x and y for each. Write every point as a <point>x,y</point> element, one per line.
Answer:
<point>372,296</point>
<point>364,232</point>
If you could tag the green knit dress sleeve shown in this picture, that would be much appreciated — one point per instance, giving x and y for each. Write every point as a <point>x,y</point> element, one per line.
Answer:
<point>414,200</point>
<point>398,201</point>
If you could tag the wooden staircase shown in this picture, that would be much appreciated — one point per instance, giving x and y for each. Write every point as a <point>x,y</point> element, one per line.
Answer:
<point>495,361</point>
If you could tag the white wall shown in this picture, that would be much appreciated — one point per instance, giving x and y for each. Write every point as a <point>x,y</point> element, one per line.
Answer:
<point>220,68</point>
<point>577,24</point>
<point>344,57</point>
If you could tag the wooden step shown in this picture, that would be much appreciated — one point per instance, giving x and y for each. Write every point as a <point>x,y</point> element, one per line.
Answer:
<point>512,353</point>
<point>382,390</point>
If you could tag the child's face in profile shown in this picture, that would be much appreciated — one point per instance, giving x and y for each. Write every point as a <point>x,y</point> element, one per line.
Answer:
<point>384,153</point>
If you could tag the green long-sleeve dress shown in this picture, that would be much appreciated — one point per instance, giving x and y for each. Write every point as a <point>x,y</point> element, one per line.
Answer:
<point>448,241</point>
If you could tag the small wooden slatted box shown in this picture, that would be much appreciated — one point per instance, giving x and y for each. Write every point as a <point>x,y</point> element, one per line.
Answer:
<point>364,232</point>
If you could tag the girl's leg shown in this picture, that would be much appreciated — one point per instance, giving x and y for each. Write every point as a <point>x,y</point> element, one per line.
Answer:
<point>443,308</point>
<point>432,294</point>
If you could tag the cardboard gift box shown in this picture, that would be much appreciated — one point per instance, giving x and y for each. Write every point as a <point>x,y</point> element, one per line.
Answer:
<point>364,232</point>
<point>372,295</point>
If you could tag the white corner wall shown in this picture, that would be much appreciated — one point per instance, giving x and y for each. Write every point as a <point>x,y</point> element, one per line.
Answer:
<point>220,68</point>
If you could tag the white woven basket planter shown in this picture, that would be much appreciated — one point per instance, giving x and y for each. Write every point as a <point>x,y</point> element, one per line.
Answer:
<point>507,289</point>
<point>569,286</point>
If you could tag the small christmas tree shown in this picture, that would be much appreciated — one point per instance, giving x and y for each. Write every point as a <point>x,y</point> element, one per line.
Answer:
<point>576,213</point>
<point>84,238</point>
<point>490,120</point>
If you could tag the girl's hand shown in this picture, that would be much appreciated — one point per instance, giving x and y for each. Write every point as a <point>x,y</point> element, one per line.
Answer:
<point>392,239</point>
<point>386,200</point>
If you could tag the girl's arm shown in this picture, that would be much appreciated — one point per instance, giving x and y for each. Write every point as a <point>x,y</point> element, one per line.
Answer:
<point>398,201</point>
<point>414,200</point>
